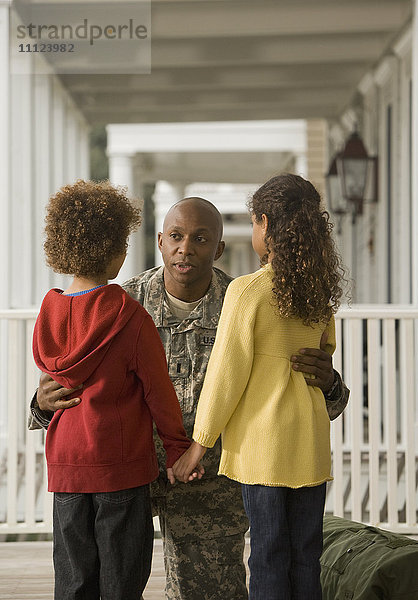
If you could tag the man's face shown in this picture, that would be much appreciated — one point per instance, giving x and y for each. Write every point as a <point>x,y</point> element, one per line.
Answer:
<point>189,245</point>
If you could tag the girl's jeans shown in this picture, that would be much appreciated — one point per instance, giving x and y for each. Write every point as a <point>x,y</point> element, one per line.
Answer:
<point>102,544</point>
<point>286,541</point>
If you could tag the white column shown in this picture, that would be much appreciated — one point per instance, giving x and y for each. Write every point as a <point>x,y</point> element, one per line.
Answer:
<point>301,159</point>
<point>83,148</point>
<point>369,284</point>
<point>301,165</point>
<point>403,49</point>
<point>240,263</point>
<point>71,143</point>
<point>165,195</point>
<point>5,266</point>
<point>77,143</point>
<point>21,189</point>
<point>121,172</point>
<point>386,80</point>
<point>58,157</point>
<point>58,127</point>
<point>415,154</point>
<point>345,245</point>
<point>414,174</point>
<point>42,159</point>
<point>5,262</point>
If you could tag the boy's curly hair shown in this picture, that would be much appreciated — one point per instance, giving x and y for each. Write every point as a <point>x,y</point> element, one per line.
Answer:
<point>87,226</point>
<point>307,267</point>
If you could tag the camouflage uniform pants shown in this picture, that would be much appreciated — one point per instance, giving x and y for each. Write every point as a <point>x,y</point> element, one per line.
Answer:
<point>203,541</point>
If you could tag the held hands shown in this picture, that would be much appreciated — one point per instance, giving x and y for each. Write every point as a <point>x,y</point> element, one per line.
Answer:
<point>317,363</point>
<point>188,467</point>
<point>197,473</point>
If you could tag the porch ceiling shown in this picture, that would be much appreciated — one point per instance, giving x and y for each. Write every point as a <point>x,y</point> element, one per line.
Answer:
<point>241,59</point>
<point>242,167</point>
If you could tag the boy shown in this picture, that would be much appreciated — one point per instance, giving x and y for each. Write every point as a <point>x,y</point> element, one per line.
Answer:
<point>100,454</point>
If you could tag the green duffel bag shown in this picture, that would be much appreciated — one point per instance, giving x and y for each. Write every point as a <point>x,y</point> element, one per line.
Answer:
<point>365,563</point>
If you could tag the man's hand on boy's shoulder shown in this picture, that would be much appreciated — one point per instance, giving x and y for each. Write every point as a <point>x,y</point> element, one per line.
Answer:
<point>51,395</point>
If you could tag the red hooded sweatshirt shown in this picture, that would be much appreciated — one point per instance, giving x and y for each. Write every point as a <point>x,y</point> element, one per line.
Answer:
<point>108,342</point>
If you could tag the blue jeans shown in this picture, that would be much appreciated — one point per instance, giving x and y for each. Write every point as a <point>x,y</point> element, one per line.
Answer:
<point>102,544</point>
<point>286,541</point>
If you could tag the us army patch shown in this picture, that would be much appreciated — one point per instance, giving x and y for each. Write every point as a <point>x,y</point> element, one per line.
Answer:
<point>207,337</point>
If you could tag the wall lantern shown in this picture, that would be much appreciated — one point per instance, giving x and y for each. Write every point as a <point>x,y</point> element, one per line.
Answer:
<point>351,179</point>
<point>337,203</point>
<point>358,173</point>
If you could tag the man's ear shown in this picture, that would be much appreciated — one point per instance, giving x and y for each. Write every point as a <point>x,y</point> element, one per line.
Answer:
<point>160,240</point>
<point>219,250</point>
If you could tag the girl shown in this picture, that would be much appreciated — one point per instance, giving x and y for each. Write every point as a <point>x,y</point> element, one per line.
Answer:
<point>275,427</point>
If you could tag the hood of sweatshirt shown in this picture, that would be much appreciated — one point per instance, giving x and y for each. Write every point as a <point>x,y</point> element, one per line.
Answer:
<point>73,333</point>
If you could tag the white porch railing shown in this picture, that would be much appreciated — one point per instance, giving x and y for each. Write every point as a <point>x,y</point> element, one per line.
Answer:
<point>374,444</point>
<point>25,505</point>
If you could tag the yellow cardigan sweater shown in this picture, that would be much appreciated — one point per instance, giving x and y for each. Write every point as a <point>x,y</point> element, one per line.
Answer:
<point>275,428</point>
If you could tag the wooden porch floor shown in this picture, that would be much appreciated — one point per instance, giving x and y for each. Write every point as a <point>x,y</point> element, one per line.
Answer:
<point>26,571</point>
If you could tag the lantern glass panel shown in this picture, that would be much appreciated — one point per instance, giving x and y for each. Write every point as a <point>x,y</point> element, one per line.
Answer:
<point>338,204</point>
<point>353,173</point>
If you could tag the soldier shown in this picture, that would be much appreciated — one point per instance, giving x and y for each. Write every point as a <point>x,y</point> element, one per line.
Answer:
<point>202,523</point>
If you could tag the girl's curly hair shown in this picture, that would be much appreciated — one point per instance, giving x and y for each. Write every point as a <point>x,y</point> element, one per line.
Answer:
<point>87,226</point>
<point>307,267</point>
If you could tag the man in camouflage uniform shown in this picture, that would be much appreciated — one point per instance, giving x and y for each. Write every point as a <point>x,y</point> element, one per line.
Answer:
<point>202,523</point>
